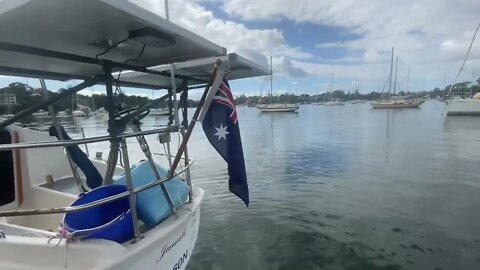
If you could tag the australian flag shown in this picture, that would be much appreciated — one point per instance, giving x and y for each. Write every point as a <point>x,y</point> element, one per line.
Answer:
<point>221,127</point>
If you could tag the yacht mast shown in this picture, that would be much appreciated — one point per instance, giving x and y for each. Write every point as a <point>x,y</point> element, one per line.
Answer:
<point>408,79</point>
<point>391,73</point>
<point>271,77</point>
<point>331,87</point>
<point>396,71</point>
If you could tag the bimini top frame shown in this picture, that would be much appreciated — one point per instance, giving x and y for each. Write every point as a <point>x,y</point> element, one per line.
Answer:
<point>88,40</point>
<point>234,65</point>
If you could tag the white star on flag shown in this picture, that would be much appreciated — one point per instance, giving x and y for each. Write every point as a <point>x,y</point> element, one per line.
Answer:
<point>221,132</point>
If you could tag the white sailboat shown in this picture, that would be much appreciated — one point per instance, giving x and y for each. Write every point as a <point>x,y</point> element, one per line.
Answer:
<point>276,107</point>
<point>44,221</point>
<point>333,101</point>
<point>355,100</point>
<point>395,102</point>
<point>158,111</point>
<point>464,106</point>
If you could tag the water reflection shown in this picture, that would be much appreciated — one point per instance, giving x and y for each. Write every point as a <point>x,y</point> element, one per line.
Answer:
<point>338,188</point>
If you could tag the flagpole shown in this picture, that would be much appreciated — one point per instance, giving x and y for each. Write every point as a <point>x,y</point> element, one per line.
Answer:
<point>186,137</point>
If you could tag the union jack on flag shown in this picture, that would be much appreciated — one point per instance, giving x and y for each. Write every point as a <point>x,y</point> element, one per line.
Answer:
<point>224,96</point>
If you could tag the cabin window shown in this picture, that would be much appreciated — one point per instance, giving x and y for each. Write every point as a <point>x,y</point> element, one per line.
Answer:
<point>7,175</point>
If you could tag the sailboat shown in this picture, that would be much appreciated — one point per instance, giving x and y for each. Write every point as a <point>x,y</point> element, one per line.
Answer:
<point>276,107</point>
<point>355,91</point>
<point>393,102</point>
<point>336,101</point>
<point>80,111</point>
<point>464,106</point>
<point>158,111</point>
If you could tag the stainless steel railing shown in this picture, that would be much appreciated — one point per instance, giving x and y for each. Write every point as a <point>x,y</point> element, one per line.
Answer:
<point>130,190</point>
<point>46,144</point>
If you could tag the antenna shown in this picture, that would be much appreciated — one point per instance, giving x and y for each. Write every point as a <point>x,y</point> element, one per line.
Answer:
<point>167,14</point>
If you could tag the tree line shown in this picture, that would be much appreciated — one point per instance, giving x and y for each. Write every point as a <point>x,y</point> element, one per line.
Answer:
<point>26,96</point>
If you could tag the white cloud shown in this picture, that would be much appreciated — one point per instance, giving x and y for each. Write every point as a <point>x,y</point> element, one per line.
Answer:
<point>430,36</point>
<point>291,70</point>
<point>328,45</point>
<point>254,44</point>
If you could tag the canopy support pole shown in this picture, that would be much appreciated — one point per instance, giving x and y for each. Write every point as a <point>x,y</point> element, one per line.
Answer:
<point>148,154</point>
<point>188,133</point>
<point>131,194</point>
<point>112,126</point>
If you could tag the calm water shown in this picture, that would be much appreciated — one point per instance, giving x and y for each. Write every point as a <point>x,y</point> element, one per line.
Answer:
<point>340,188</point>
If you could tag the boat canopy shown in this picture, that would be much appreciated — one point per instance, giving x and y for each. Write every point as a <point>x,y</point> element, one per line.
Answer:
<point>235,66</point>
<point>65,39</point>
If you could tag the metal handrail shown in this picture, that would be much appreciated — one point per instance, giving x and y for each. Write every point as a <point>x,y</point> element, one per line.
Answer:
<point>71,209</point>
<point>13,146</point>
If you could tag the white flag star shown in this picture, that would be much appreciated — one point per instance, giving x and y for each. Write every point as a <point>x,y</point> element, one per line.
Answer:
<point>221,132</point>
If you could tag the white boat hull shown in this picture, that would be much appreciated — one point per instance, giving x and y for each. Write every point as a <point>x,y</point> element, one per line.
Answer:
<point>395,105</point>
<point>463,107</point>
<point>358,101</point>
<point>167,246</point>
<point>79,113</point>
<point>157,112</point>
<point>278,108</point>
<point>334,103</point>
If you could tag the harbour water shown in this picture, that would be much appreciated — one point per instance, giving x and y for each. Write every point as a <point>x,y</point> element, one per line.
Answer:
<point>343,187</point>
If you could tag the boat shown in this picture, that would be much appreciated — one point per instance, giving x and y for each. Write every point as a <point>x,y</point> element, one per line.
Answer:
<point>276,107</point>
<point>395,102</point>
<point>79,113</point>
<point>63,114</point>
<point>65,209</point>
<point>157,112</point>
<point>461,105</point>
<point>355,91</point>
<point>464,106</point>
<point>41,114</point>
<point>358,101</point>
<point>333,101</point>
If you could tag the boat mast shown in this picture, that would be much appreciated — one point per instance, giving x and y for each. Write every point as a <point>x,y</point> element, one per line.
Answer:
<point>355,89</point>
<point>444,86</point>
<point>473,80</point>
<point>93,100</point>
<point>408,79</point>
<point>331,87</point>
<point>271,78</point>
<point>391,73</point>
<point>396,71</point>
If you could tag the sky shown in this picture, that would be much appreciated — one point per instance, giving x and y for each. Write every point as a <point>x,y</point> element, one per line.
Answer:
<point>312,40</point>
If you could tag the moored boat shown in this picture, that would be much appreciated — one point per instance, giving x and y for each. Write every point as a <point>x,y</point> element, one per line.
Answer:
<point>278,108</point>
<point>107,219</point>
<point>395,104</point>
<point>464,106</point>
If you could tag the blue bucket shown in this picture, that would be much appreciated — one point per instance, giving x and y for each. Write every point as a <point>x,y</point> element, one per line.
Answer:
<point>110,221</point>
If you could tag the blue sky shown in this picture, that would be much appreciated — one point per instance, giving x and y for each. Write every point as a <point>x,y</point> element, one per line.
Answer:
<point>311,40</point>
